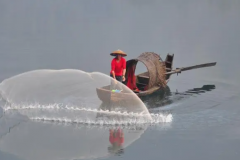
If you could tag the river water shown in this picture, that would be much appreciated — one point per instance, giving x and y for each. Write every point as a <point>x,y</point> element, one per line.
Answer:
<point>204,103</point>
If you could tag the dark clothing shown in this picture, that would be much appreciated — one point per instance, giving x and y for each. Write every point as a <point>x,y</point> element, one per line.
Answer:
<point>119,78</point>
<point>116,86</point>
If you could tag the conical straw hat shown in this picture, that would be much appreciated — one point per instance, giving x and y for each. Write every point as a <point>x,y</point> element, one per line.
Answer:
<point>114,53</point>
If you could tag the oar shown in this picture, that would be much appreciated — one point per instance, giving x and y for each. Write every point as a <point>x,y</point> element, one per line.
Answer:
<point>179,70</point>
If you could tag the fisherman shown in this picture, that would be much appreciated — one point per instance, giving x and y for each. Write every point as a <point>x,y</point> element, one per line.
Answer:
<point>118,66</point>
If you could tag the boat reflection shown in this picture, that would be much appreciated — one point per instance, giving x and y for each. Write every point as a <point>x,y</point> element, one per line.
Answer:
<point>165,97</point>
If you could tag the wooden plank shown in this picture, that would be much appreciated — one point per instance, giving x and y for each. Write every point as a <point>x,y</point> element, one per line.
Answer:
<point>143,84</point>
<point>179,70</point>
<point>142,76</point>
<point>199,66</point>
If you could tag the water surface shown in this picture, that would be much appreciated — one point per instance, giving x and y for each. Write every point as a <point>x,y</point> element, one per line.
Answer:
<point>81,34</point>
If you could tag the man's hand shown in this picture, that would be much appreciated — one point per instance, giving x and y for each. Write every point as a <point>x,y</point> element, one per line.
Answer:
<point>124,78</point>
<point>115,81</point>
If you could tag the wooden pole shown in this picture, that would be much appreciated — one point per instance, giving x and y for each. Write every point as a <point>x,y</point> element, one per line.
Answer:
<point>179,70</point>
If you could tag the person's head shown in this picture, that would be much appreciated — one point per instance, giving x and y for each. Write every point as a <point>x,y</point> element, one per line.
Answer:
<point>116,150</point>
<point>118,56</point>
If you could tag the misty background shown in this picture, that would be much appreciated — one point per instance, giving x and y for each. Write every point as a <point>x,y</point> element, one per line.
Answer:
<point>76,34</point>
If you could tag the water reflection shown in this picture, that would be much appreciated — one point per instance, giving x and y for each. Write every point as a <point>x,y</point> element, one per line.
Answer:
<point>166,97</point>
<point>52,141</point>
<point>116,138</point>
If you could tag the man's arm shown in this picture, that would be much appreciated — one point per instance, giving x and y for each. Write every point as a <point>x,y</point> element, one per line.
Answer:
<point>113,68</point>
<point>124,70</point>
<point>113,73</point>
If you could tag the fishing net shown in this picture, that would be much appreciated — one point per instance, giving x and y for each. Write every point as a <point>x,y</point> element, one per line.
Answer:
<point>71,96</point>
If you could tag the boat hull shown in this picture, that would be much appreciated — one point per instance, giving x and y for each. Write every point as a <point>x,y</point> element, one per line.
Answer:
<point>106,95</point>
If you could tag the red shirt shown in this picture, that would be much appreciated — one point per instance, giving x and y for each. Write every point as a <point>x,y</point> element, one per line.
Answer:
<point>118,67</point>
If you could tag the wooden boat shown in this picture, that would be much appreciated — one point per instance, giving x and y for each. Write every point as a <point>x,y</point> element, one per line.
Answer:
<point>157,76</point>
